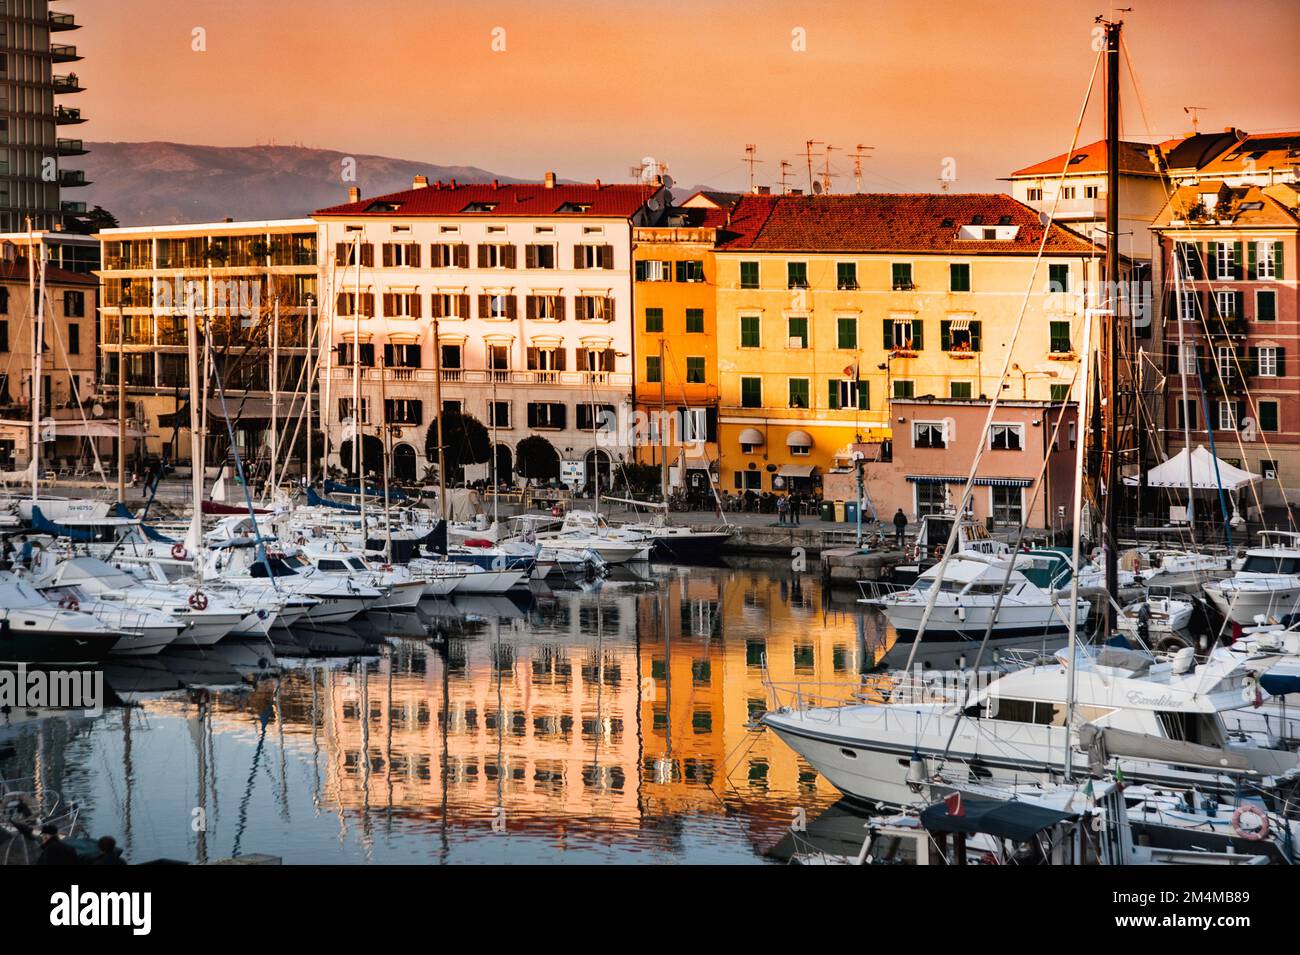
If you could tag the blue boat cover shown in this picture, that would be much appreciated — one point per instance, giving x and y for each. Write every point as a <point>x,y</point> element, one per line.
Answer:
<point>315,500</point>
<point>43,525</point>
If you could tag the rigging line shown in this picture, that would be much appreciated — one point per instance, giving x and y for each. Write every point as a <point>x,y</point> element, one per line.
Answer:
<point>72,382</point>
<point>933,596</point>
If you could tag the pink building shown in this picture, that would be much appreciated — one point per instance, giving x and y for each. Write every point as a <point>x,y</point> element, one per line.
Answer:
<point>935,440</point>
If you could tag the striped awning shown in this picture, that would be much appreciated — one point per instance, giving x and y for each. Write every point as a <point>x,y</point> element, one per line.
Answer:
<point>959,479</point>
<point>935,479</point>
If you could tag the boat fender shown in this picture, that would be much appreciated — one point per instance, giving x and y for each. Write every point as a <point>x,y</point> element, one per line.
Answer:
<point>70,603</point>
<point>386,568</point>
<point>199,600</point>
<point>961,613</point>
<point>178,551</point>
<point>1250,835</point>
<point>915,771</point>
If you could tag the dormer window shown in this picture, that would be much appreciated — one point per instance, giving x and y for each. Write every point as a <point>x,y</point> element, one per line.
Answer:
<point>574,207</point>
<point>480,207</point>
<point>381,206</point>
<point>978,220</point>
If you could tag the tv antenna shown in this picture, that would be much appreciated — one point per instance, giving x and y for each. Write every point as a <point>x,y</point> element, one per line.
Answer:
<point>786,166</point>
<point>808,155</point>
<point>859,154</point>
<point>751,159</point>
<point>826,169</point>
<point>1194,112</point>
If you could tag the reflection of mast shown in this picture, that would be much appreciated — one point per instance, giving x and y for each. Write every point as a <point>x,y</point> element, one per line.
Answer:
<point>127,775</point>
<point>197,733</point>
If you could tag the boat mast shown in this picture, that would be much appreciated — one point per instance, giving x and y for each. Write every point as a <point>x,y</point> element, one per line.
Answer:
<point>1080,461</point>
<point>194,537</point>
<point>358,459</point>
<point>1110,334</point>
<point>38,340</point>
<point>437,420</point>
<point>121,412</point>
<point>663,445</point>
<point>383,423</point>
<point>275,394</point>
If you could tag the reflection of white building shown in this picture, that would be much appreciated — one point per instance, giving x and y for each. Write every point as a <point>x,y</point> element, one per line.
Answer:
<point>527,288</point>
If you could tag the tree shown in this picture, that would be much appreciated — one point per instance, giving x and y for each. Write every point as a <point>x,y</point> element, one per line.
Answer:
<point>535,457</point>
<point>93,221</point>
<point>464,441</point>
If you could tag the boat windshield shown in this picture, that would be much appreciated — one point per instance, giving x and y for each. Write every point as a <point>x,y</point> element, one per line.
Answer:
<point>946,587</point>
<point>1271,564</point>
<point>356,563</point>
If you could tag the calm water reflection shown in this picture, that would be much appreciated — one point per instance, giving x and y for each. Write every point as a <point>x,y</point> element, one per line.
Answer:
<point>610,725</point>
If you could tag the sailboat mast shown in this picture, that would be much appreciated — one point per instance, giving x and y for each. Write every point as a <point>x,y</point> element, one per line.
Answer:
<point>275,394</point>
<point>1110,338</point>
<point>358,459</point>
<point>663,447</point>
<point>121,412</point>
<point>194,538</point>
<point>1080,462</point>
<point>437,420</point>
<point>38,340</point>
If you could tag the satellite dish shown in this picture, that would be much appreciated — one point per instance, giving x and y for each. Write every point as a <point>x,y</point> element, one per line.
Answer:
<point>668,182</point>
<point>97,410</point>
<point>817,188</point>
<point>1043,219</point>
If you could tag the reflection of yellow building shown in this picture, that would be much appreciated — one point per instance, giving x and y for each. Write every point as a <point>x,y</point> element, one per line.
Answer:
<point>829,306</point>
<point>677,359</point>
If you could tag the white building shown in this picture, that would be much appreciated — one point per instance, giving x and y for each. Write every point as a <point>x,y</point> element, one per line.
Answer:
<point>526,289</point>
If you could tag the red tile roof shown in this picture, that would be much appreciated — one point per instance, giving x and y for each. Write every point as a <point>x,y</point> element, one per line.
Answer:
<point>16,271</point>
<point>1240,207</point>
<point>918,222</point>
<point>1091,159</point>
<point>510,199</point>
<point>1257,153</point>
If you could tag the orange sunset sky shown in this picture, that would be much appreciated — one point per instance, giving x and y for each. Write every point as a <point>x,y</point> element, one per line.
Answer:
<point>587,88</point>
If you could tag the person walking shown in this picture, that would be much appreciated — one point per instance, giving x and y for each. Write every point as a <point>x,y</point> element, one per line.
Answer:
<point>796,499</point>
<point>900,528</point>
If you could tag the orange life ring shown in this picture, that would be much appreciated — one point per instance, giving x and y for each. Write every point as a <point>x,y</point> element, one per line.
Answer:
<point>199,600</point>
<point>1250,835</point>
<point>178,551</point>
<point>70,603</point>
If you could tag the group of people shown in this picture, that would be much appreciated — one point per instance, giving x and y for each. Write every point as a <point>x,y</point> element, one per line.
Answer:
<point>54,851</point>
<point>788,506</point>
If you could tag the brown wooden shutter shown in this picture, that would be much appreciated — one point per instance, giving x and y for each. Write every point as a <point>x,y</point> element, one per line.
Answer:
<point>462,256</point>
<point>341,306</point>
<point>609,309</point>
<point>606,256</point>
<point>416,308</point>
<point>607,360</point>
<point>390,302</point>
<point>368,301</point>
<point>484,306</point>
<point>512,306</point>
<point>482,256</point>
<point>530,303</point>
<point>340,253</point>
<point>579,259</point>
<point>580,307</point>
<point>559,359</point>
<point>367,254</point>
<point>435,306</point>
<point>559,308</point>
<point>530,256</point>
<point>532,359</point>
<point>508,256</point>
<point>388,255</point>
<point>413,251</point>
<point>463,310</point>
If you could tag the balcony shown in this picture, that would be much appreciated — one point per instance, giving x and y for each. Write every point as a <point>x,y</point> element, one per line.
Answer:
<point>62,22</point>
<point>63,53</point>
<point>64,116</point>
<point>1226,327</point>
<point>70,147</point>
<point>72,178</point>
<point>68,84</point>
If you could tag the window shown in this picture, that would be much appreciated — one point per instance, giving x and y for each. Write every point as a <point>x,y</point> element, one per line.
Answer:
<point>1091,192</point>
<point>593,256</point>
<point>798,392</point>
<point>695,321</point>
<point>1227,415</point>
<point>1266,363</point>
<point>403,411</point>
<point>749,275</point>
<point>1268,469</point>
<point>498,358</point>
<point>960,389</point>
<point>1059,337</point>
<point>498,414</point>
<point>1067,192</point>
<point>1266,306</point>
<point>1188,415</point>
<point>74,304</point>
<point>1060,392</point>
<point>545,359</point>
<point>903,334</point>
<point>401,255</point>
<point>4,336</point>
<point>449,255</point>
<point>960,335</point>
<point>931,498</point>
<point>1058,278</point>
<point>1006,507</point>
<point>1006,437</point>
<point>1225,265</point>
<point>959,277</point>
<point>74,339</point>
<point>347,304</point>
<point>796,274</point>
<point>345,253</point>
<point>495,255</point>
<point>595,417</point>
<point>449,305</point>
<point>846,333</point>
<point>751,392</point>
<point>749,331</point>
<point>546,414</point>
<point>690,270</point>
<point>694,370</point>
<point>846,275</point>
<point>848,393</point>
<point>1266,260</point>
<point>497,307</point>
<point>1187,305</point>
<point>1268,415</point>
<point>346,409</point>
<point>928,434</point>
<point>402,304</point>
<point>4,300</point>
<point>1226,301</point>
<point>403,356</point>
<point>1224,357</point>
<point>797,332</point>
<point>1034,195</point>
<point>654,319</point>
<point>1189,259</point>
<point>545,308</point>
<point>654,271</point>
<point>450,357</point>
<point>901,273</point>
<point>653,369</point>
<point>540,256</point>
<point>904,388</point>
<point>364,356</point>
<point>593,308</point>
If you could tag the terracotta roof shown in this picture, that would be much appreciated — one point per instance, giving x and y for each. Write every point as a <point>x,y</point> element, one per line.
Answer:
<point>1248,206</point>
<point>1091,159</point>
<point>902,222</point>
<point>1257,153</point>
<point>505,199</point>
<point>1193,152</point>
<point>16,271</point>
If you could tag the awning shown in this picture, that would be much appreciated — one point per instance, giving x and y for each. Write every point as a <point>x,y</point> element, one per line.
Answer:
<point>798,439</point>
<point>699,464</point>
<point>241,409</point>
<point>796,470</point>
<point>66,428</point>
<point>935,479</point>
<point>961,479</point>
<point>751,436</point>
<point>1004,482</point>
<point>1203,472</point>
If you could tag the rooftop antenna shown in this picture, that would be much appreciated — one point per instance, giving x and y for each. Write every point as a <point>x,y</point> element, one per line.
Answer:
<point>826,169</point>
<point>785,174</point>
<point>1194,112</point>
<point>859,154</point>
<point>751,159</point>
<point>808,155</point>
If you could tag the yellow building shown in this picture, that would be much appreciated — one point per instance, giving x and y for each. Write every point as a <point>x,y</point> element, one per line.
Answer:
<point>828,307</point>
<point>676,340</point>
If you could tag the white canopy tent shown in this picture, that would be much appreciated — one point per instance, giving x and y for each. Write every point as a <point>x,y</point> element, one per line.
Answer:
<point>1204,474</point>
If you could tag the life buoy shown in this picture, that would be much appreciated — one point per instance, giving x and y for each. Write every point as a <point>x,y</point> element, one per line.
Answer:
<point>1250,835</point>
<point>178,551</point>
<point>70,603</point>
<point>199,600</point>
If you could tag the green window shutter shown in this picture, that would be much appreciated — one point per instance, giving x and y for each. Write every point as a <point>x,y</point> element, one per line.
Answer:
<point>1212,262</point>
<point>889,334</point>
<point>864,395</point>
<point>1236,260</point>
<point>833,395</point>
<point>847,333</point>
<point>945,335</point>
<point>975,338</point>
<point>1277,261</point>
<point>1251,268</point>
<point>1281,362</point>
<point>1265,307</point>
<point>917,339</point>
<point>1240,304</point>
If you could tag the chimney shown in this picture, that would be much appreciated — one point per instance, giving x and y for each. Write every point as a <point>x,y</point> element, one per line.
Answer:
<point>762,190</point>
<point>354,193</point>
<point>495,184</point>
<point>452,185</point>
<point>598,185</point>
<point>420,182</point>
<point>550,180</point>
